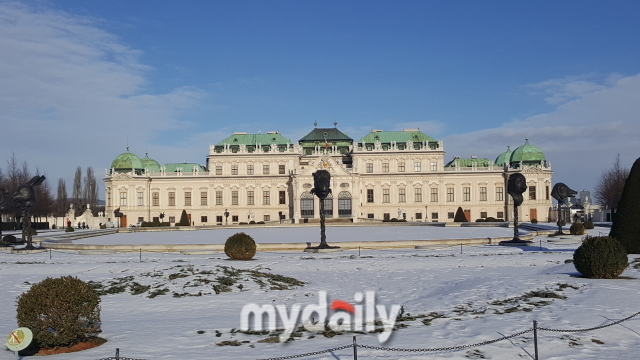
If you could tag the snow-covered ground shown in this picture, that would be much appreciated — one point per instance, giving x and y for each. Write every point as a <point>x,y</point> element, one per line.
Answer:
<point>480,294</point>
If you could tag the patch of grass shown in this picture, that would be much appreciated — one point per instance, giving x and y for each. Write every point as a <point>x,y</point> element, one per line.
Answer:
<point>221,288</point>
<point>599,342</point>
<point>545,294</point>
<point>270,340</point>
<point>137,289</point>
<point>177,276</point>
<point>229,343</point>
<point>158,292</point>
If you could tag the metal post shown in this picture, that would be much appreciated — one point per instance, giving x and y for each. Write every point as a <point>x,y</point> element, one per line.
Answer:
<point>117,353</point>
<point>535,339</point>
<point>140,254</point>
<point>540,244</point>
<point>460,248</point>
<point>49,254</point>
<point>355,349</point>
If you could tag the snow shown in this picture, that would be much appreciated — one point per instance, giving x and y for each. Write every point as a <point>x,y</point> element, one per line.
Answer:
<point>472,289</point>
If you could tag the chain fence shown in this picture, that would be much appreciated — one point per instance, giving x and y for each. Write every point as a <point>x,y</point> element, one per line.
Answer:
<point>456,347</point>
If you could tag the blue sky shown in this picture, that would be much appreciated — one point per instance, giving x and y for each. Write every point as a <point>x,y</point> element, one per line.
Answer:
<point>84,78</point>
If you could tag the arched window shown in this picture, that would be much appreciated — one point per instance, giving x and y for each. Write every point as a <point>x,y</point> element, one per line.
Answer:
<point>344,204</point>
<point>306,205</point>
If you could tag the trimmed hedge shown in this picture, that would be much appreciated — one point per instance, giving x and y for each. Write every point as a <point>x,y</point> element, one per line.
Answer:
<point>588,225</point>
<point>240,246</point>
<point>577,229</point>
<point>600,257</point>
<point>184,219</point>
<point>459,217</point>
<point>60,311</point>
<point>69,229</point>
<point>625,222</point>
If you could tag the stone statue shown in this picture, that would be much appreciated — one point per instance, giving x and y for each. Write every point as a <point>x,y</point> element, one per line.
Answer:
<point>24,198</point>
<point>399,213</point>
<point>560,192</point>
<point>321,189</point>
<point>250,216</point>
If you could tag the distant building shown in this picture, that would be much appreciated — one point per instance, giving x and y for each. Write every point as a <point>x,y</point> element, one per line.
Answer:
<point>384,175</point>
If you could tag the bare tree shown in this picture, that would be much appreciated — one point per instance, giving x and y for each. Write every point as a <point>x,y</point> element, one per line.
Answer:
<point>609,187</point>
<point>62,199</point>
<point>78,199</point>
<point>90,189</point>
<point>43,206</point>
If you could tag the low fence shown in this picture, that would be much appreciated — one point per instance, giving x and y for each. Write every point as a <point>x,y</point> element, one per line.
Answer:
<point>533,329</point>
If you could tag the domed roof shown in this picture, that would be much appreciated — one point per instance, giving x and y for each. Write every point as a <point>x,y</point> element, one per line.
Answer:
<point>504,158</point>
<point>126,161</point>
<point>150,164</point>
<point>527,153</point>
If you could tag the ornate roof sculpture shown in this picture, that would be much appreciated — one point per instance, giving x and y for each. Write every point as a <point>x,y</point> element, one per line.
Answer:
<point>253,142</point>
<point>401,140</point>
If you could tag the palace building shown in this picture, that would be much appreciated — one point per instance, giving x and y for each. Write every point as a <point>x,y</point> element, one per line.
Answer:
<point>384,175</point>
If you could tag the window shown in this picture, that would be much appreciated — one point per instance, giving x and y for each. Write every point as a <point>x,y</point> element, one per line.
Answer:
<point>140,218</point>
<point>369,167</point>
<point>267,218</point>
<point>108,198</point>
<point>369,216</point>
<point>282,197</point>
<point>219,219</point>
<point>218,169</point>
<point>203,198</point>
<point>483,193</point>
<point>466,194</point>
<point>156,219</point>
<point>281,169</point>
<point>187,198</point>
<point>434,166</point>
<point>547,192</point>
<point>532,192</point>
<point>402,197</point>
<point>385,195</point>
<point>401,167</point>
<point>451,215</point>
<point>234,169</point>
<point>172,219</point>
<point>140,198</point>
<point>219,197</point>
<point>234,218</point>
<point>250,200</point>
<point>369,195</point>
<point>172,198</point>
<point>483,214</point>
<point>418,194</point>
<point>500,193</point>
<point>385,167</point>
<point>266,198</point>
<point>155,198</point>
<point>434,194</point>
<point>417,166</point>
<point>234,197</point>
<point>203,219</point>
<point>265,169</point>
<point>249,169</point>
<point>450,195</point>
<point>418,216</point>
<point>386,216</point>
<point>500,214</point>
<point>123,199</point>
<point>434,215</point>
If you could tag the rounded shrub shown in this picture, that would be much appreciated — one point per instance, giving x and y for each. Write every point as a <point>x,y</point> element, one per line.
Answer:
<point>534,221</point>
<point>60,311</point>
<point>588,225</point>
<point>490,219</point>
<point>480,220</point>
<point>577,229</point>
<point>600,257</point>
<point>69,229</point>
<point>625,222</point>
<point>240,246</point>
<point>394,220</point>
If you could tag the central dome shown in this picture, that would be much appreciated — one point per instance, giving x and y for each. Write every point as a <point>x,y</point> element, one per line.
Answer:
<point>528,154</point>
<point>126,161</point>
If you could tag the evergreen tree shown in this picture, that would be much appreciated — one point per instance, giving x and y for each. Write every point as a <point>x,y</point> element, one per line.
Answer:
<point>460,215</point>
<point>184,219</point>
<point>78,200</point>
<point>90,191</point>
<point>625,228</point>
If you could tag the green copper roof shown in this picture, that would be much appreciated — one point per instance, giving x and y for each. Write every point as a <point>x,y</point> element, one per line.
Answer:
<point>184,167</point>
<point>253,139</point>
<point>504,158</point>
<point>397,136</point>
<point>328,134</point>
<point>149,164</point>
<point>126,161</point>
<point>527,153</point>
<point>469,162</point>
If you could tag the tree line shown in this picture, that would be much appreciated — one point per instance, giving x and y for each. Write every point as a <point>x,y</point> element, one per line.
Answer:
<point>85,190</point>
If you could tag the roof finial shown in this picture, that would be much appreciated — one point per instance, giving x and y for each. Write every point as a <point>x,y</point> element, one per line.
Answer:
<point>315,124</point>
<point>127,147</point>
<point>508,147</point>
<point>526,140</point>
<point>335,124</point>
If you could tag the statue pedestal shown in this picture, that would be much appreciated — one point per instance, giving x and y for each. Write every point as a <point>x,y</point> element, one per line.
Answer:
<point>516,242</point>
<point>322,250</point>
